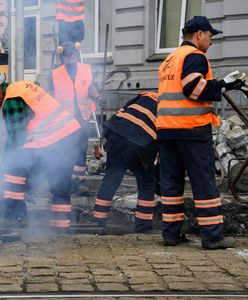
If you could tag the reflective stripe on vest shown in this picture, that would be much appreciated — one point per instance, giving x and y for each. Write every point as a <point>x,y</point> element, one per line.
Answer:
<point>144,111</point>
<point>70,10</point>
<point>138,122</point>
<point>66,91</point>
<point>50,123</point>
<point>175,110</point>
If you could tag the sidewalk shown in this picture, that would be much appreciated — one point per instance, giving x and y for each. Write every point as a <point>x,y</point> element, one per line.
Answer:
<point>43,262</point>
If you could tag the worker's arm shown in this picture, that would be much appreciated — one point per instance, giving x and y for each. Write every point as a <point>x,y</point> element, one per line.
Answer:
<point>195,85</point>
<point>16,115</point>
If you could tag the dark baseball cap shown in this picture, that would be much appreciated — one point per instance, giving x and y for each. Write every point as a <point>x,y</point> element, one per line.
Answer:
<point>199,23</point>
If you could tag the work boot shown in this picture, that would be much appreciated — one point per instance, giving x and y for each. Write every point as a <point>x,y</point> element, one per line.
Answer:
<point>79,188</point>
<point>222,244</point>
<point>174,242</point>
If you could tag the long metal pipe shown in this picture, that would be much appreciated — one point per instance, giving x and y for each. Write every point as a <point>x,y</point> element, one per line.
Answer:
<point>19,40</point>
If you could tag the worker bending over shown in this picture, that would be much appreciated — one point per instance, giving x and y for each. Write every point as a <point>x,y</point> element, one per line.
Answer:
<point>131,144</point>
<point>40,133</point>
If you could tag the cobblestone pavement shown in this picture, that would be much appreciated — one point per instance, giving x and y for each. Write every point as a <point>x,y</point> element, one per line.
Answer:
<point>44,262</point>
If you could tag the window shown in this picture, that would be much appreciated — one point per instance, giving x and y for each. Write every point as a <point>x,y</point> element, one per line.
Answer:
<point>171,17</point>
<point>31,37</point>
<point>97,15</point>
<point>26,3</point>
<point>30,43</point>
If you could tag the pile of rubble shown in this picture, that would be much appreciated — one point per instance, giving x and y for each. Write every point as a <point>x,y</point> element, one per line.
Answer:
<point>231,144</point>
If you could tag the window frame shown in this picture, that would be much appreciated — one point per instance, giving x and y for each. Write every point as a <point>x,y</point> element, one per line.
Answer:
<point>29,11</point>
<point>158,20</point>
<point>96,53</point>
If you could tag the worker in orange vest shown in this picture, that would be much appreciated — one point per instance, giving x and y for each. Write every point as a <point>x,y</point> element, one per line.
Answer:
<point>39,134</point>
<point>184,118</point>
<point>72,85</point>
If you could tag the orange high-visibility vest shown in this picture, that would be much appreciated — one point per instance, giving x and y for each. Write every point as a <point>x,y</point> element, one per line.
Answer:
<point>175,110</point>
<point>70,10</point>
<point>66,92</point>
<point>51,122</point>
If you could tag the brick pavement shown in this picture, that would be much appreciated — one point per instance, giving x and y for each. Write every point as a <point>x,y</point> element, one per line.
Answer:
<point>129,263</point>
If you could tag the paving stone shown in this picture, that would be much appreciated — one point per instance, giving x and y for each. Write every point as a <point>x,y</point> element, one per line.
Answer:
<point>148,287</point>
<point>12,269</point>
<point>73,275</point>
<point>114,279</point>
<point>41,272</point>
<point>63,281</point>
<point>214,277</point>
<point>145,280</point>
<point>77,288</point>
<point>225,287</point>
<point>10,261</point>
<point>186,286</point>
<point>163,265</point>
<point>135,273</point>
<point>97,272</point>
<point>237,270</point>
<point>204,268</point>
<point>197,263</point>
<point>178,272</point>
<point>178,278</point>
<point>112,287</point>
<point>14,288</point>
<point>11,280</point>
<point>40,279</point>
<point>40,262</point>
<point>41,287</point>
<point>74,269</point>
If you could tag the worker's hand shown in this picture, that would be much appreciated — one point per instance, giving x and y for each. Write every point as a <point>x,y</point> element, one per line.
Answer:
<point>233,81</point>
<point>244,89</point>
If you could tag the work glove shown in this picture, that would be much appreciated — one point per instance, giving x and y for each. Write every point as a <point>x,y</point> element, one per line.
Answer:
<point>244,89</point>
<point>233,81</point>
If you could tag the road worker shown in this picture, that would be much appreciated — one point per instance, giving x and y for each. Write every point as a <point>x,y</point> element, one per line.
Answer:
<point>72,85</point>
<point>184,118</point>
<point>131,144</point>
<point>70,16</point>
<point>39,134</point>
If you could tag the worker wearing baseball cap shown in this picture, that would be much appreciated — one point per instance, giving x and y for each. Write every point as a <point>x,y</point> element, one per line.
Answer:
<point>184,119</point>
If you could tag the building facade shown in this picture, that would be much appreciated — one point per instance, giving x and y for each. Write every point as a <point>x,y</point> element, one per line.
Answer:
<point>140,36</point>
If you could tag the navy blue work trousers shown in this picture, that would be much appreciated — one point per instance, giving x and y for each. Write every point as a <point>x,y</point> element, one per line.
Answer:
<point>195,157</point>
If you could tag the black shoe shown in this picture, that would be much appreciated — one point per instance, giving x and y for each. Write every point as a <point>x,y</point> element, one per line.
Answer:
<point>173,242</point>
<point>222,244</point>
